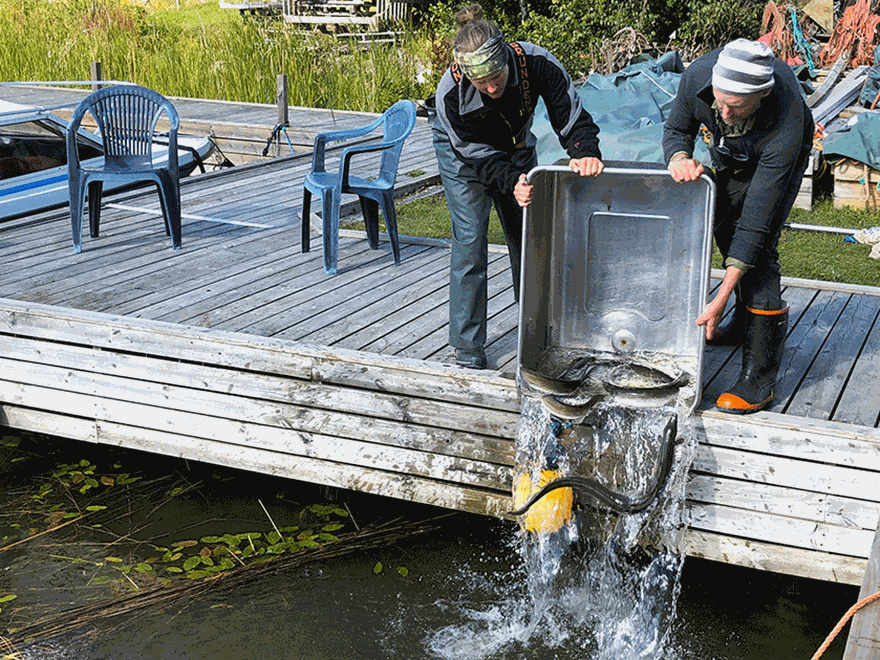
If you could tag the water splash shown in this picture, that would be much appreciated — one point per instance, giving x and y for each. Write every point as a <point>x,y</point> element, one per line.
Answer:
<point>604,586</point>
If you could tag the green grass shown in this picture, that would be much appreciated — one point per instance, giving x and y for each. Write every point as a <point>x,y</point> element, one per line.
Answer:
<point>804,254</point>
<point>201,51</point>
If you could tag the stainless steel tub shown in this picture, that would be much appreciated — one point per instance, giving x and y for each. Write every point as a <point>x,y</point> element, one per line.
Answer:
<point>617,267</point>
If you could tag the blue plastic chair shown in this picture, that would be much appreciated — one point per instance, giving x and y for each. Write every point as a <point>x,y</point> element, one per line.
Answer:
<point>397,123</point>
<point>126,116</point>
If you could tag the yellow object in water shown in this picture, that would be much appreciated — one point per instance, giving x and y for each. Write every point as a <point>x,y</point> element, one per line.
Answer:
<point>548,514</point>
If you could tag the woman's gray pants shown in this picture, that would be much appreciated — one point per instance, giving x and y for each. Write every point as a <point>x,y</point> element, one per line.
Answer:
<point>469,204</point>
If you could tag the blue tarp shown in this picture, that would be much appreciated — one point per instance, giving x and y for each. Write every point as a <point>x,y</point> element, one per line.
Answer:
<point>858,139</point>
<point>629,107</point>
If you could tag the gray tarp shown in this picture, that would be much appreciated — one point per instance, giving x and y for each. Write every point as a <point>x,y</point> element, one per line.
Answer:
<point>858,139</point>
<point>629,107</point>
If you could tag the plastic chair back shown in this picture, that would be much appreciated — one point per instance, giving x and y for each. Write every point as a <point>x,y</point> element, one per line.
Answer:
<point>399,121</point>
<point>126,116</point>
<point>374,191</point>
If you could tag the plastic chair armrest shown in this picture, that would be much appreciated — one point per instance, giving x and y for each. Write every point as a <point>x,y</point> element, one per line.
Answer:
<point>347,133</point>
<point>345,160</point>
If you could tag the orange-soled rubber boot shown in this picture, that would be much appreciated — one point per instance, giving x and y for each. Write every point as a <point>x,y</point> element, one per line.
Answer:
<point>755,388</point>
<point>551,512</point>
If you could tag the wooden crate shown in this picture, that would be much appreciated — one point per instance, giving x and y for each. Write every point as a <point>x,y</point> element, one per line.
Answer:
<point>855,184</point>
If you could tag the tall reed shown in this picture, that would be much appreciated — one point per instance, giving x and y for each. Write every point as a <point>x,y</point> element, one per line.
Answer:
<point>232,61</point>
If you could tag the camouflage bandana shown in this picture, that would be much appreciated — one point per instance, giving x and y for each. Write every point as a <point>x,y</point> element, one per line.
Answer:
<point>486,60</point>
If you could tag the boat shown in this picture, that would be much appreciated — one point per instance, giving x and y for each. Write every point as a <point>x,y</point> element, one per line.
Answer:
<point>33,159</point>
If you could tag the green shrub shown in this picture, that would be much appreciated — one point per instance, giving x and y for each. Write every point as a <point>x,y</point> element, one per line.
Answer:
<point>710,24</point>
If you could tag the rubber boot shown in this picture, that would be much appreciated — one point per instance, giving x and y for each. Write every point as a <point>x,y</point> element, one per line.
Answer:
<point>755,388</point>
<point>733,330</point>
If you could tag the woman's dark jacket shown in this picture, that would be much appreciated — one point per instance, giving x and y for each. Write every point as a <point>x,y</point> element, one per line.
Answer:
<point>493,136</point>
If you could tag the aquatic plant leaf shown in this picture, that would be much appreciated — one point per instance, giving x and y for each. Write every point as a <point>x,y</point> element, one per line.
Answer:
<point>231,540</point>
<point>191,563</point>
<point>332,528</point>
<point>8,598</point>
<point>211,539</point>
<point>273,538</point>
<point>322,509</point>
<point>108,481</point>
<point>143,567</point>
<point>115,560</point>
<point>377,568</point>
<point>174,569</point>
<point>327,537</point>
<point>184,544</point>
<point>403,570</point>
<point>95,507</point>
<point>88,485</point>
<point>101,579</point>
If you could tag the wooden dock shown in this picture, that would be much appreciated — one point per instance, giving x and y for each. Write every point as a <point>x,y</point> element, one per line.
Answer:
<point>239,350</point>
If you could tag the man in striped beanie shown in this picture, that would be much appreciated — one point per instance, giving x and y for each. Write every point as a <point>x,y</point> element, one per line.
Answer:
<point>760,133</point>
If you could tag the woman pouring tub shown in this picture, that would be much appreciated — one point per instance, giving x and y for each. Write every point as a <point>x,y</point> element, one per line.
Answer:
<point>484,106</point>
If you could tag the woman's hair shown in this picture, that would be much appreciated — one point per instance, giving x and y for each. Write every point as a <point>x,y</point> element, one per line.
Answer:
<point>473,29</point>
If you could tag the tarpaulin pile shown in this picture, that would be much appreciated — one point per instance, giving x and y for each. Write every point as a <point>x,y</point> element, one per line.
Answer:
<point>629,107</point>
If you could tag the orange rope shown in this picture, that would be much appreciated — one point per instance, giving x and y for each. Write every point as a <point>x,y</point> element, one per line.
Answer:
<point>776,33</point>
<point>840,624</point>
<point>854,32</point>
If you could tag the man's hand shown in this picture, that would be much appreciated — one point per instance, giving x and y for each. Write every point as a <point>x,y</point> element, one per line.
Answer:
<point>715,309</point>
<point>685,169</point>
<point>586,166</point>
<point>522,192</point>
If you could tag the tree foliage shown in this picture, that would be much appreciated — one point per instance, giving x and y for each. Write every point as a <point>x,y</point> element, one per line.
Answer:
<point>574,30</point>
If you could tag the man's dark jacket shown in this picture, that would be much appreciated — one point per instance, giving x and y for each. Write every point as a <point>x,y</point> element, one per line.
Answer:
<point>770,157</point>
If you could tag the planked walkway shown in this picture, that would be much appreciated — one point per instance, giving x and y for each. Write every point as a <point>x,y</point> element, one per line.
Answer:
<point>239,350</point>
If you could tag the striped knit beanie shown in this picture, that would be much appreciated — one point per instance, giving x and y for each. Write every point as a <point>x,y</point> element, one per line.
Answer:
<point>743,67</point>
